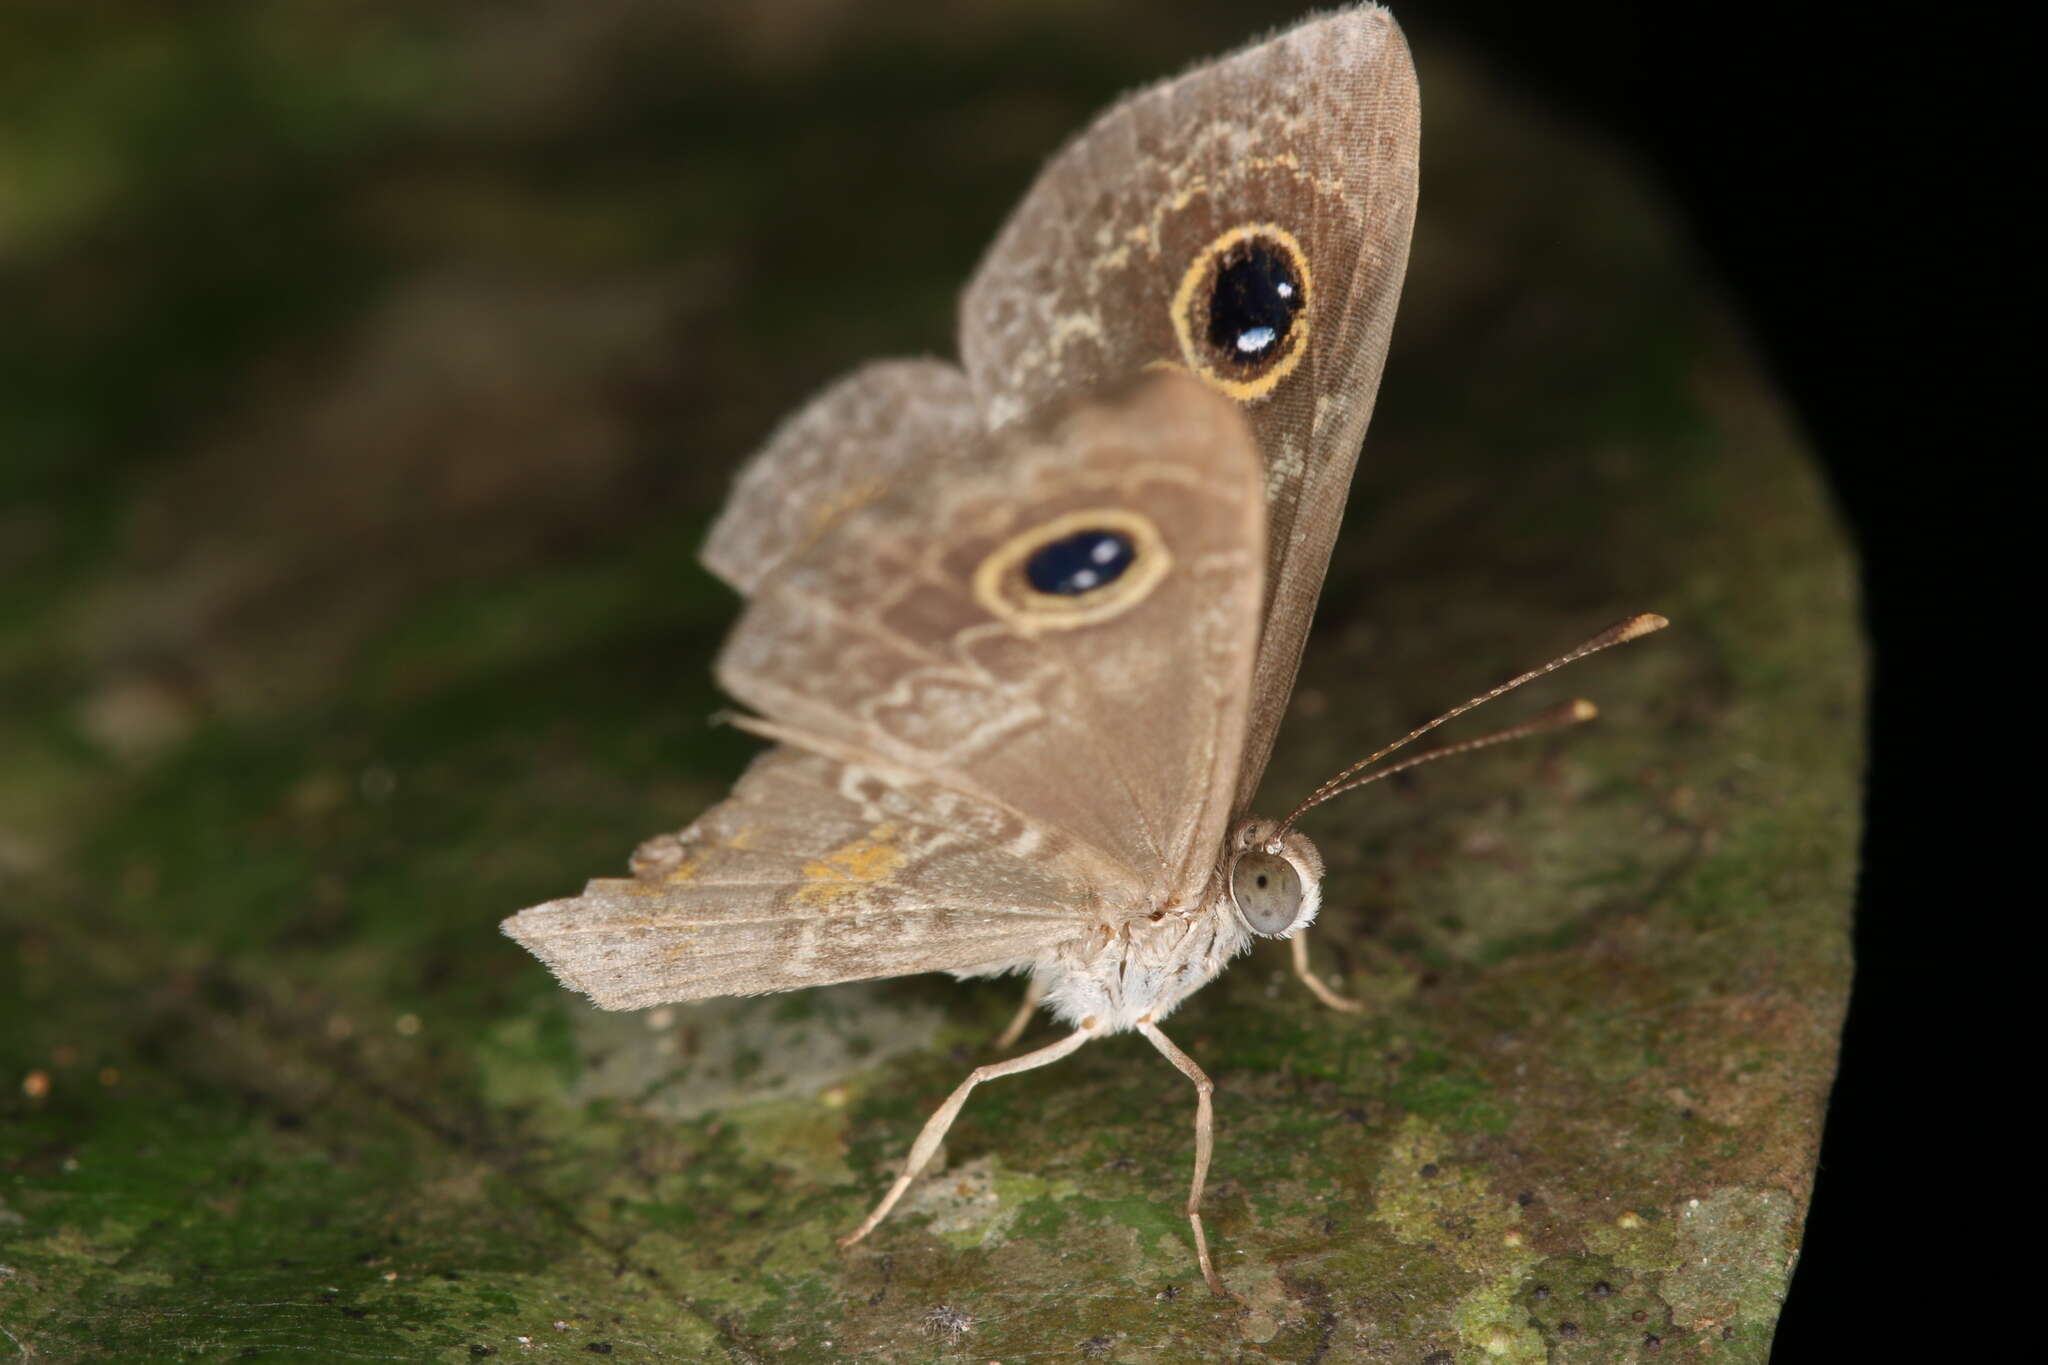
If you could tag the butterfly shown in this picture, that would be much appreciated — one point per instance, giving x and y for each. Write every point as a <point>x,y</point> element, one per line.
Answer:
<point>1022,630</point>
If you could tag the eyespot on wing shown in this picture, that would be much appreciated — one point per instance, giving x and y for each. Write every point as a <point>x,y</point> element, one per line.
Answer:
<point>1080,568</point>
<point>1242,310</point>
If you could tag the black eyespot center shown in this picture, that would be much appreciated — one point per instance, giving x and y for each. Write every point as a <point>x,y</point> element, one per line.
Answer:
<point>1080,563</point>
<point>1252,303</point>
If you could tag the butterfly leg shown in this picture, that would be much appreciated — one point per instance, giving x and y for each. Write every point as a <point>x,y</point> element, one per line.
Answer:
<point>1034,990</point>
<point>935,1127</point>
<point>1205,1141</point>
<point>1315,983</point>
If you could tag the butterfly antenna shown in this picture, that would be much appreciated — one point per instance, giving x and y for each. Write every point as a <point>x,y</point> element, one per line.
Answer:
<point>1571,713</point>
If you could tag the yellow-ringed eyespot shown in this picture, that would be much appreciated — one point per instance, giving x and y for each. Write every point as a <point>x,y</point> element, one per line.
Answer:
<point>1077,569</point>
<point>1242,310</point>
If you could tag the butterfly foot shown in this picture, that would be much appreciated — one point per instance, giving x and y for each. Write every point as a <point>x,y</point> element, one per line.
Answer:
<point>1329,997</point>
<point>1316,985</point>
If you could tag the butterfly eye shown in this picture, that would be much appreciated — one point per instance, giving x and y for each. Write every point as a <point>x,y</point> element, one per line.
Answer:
<point>1080,563</point>
<point>1267,890</point>
<point>1241,311</point>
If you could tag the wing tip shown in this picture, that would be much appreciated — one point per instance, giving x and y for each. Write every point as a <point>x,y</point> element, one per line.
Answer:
<point>539,930</point>
<point>557,933</point>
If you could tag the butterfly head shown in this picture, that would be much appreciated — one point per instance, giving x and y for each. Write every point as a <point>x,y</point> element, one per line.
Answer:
<point>1274,879</point>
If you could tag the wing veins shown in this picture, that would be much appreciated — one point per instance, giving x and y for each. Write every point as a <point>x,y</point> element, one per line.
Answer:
<point>1108,754</point>
<point>947,779</point>
<point>855,916</point>
<point>865,625</point>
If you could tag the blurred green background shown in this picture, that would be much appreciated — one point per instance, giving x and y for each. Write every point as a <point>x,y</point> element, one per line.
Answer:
<point>368,376</point>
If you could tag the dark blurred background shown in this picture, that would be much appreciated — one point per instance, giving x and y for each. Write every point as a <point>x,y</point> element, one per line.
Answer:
<point>241,230</point>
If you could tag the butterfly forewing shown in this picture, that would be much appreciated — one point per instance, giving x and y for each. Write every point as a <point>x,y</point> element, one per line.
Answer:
<point>1248,221</point>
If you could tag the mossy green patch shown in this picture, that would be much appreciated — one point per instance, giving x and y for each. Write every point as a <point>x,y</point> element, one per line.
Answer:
<point>1492,1323</point>
<point>1430,1198</point>
<point>1729,1272</point>
<point>1639,1241</point>
<point>807,1137</point>
<point>1434,1086</point>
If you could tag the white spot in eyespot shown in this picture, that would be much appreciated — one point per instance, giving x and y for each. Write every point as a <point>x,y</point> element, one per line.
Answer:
<point>1284,290</point>
<point>1252,340</point>
<point>1084,579</point>
<point>1104,550</point>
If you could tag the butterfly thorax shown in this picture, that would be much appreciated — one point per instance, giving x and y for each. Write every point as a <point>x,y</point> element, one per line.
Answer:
<point>1266,884</point>
<point>1139,970</point>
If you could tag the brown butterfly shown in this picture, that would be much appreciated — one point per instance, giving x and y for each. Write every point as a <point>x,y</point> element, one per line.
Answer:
<point>1023,641</point>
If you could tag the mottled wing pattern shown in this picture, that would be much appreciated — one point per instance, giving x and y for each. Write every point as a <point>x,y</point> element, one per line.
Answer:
<point>814,871</point>
<point>838,451</point>
<point>1122,734</point>
<point>1316,131</point>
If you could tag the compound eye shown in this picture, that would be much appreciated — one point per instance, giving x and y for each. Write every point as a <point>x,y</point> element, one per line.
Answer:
<point>1267,890</point>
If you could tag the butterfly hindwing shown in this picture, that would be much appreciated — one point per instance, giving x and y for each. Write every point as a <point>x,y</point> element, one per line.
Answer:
<point>840,450</point>
<point>812,871</point>
<point>975,772</point>
<point>1115,716</point>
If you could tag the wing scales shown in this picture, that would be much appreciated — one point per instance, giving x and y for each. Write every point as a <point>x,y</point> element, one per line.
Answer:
<point>812,872</point>
<point>839,451</point>
<point>1318,132</point>
<point>1124,734</point>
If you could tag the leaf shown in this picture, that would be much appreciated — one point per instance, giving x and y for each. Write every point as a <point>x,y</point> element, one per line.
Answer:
<point>276,1087</point>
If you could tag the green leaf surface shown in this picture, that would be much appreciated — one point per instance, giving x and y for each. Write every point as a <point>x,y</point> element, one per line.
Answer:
<point>370,378</point>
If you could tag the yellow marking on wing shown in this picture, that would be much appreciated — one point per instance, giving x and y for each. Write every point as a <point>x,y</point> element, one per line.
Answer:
<point>842,872</point>
<point>742,838</point>
<point>686,870</point>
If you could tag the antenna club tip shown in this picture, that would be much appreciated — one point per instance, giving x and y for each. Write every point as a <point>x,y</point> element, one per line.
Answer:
<point>1579,710</point>
<point>1638,626</point>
